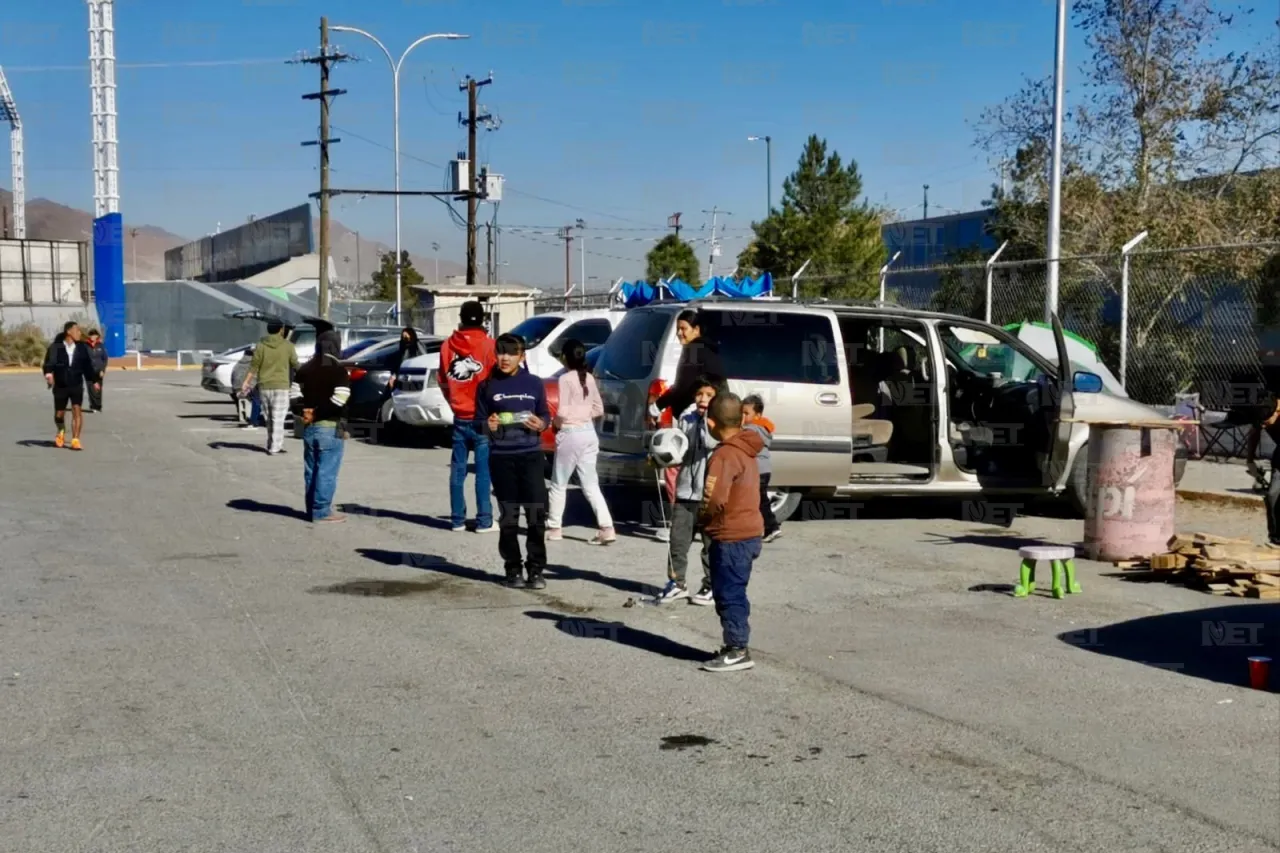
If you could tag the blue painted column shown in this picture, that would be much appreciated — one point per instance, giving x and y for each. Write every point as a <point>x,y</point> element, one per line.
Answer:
<point>108,281</point>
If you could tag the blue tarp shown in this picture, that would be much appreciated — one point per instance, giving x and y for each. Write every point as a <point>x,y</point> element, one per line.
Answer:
<point>635,294</point>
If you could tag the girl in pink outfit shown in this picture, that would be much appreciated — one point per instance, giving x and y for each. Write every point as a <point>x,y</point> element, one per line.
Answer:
<point>577,447</point>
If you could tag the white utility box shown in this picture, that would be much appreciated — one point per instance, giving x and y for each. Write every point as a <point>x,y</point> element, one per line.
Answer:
<point>459,176</point>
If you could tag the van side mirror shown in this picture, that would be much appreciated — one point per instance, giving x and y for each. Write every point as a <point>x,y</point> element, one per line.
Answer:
<point>1086,383</point>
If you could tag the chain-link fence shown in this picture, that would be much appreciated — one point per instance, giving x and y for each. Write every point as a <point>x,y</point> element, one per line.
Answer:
<point>1189,320</point>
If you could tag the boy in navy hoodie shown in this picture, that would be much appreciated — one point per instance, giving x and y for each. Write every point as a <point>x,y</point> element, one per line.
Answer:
<point>512,404</point>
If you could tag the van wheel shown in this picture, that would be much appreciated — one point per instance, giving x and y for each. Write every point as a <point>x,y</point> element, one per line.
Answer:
<point>783,503</point>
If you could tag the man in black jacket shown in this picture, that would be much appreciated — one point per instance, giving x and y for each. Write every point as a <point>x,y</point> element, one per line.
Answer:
<point>68,367</point>
<point>99,352</point>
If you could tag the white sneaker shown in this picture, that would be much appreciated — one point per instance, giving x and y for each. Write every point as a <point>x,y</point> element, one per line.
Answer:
<point>461,528</point>
<point>492,528</point>
<point>703,597</point>
<point>671,592</point>
<point>664,534</point>
<point>554,534</point>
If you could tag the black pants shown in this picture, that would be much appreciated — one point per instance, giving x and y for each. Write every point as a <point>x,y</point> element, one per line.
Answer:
<point>95,394</point>
<point>770,523</point>
<point>519,485</point>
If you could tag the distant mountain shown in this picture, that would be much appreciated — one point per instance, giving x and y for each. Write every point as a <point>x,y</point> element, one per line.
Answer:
<point>354,258</point>
<point>48,220</point>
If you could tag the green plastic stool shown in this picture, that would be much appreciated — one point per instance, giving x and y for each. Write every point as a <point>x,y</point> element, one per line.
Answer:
<point>1063,562</point>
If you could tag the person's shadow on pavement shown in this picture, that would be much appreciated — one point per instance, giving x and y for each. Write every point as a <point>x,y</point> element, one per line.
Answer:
<point>409,517</point>
<point>237,445</point>
<point>249,505</point>
<point>427,563</point>
<point>623,635</point>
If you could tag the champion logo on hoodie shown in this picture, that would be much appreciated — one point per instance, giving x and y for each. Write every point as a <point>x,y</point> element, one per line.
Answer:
<point>464,368</point>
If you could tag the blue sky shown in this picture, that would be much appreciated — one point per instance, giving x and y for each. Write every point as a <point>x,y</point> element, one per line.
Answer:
<point>618,112</point>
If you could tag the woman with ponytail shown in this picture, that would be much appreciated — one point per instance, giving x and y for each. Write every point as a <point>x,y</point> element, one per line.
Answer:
<point>577,447</point>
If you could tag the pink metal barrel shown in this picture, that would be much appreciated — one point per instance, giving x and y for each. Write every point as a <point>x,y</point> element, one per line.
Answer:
<point>1132,497</point>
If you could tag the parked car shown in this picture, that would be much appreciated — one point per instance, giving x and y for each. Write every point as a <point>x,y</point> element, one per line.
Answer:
<point>552,385</point>
<point>545,334</point>
<point>303,339</point>
<point>869,400</point>
<point>417,399</point>
<point>216,370</point>
<point>370,371</point>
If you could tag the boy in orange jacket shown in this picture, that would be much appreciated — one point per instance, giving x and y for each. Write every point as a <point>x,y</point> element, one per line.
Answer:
<point>753,418</point>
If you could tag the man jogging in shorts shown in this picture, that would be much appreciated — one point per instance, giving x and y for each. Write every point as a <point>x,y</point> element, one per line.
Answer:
<point>68,367</point>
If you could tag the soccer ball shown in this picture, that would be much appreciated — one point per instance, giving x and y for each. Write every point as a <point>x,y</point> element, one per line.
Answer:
<point>667,447</point>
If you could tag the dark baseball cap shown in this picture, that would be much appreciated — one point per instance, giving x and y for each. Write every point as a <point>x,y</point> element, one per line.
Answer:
<point>472,314</point>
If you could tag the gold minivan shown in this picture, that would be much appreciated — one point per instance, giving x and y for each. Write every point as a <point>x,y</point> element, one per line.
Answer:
<point>869,400</point>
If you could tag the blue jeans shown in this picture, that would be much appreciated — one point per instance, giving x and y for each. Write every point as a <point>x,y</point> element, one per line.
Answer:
<point>255,413</point>
<point>321,458</point>
<point>470,436</point>
<point>730,571</point>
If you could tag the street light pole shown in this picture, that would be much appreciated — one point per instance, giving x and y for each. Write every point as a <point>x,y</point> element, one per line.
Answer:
<point>582,255</point>
<point>435,247</point>
<point>1055,183</point>
<point>395,89</point>
<point>768,169</point>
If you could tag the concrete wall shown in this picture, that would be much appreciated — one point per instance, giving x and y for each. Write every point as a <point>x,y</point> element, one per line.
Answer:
<point>186,315</point>
<point>44,272</point>
<point>49,318</point>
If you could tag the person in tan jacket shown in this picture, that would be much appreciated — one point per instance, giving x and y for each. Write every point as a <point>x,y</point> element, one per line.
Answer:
<point>730,517</point>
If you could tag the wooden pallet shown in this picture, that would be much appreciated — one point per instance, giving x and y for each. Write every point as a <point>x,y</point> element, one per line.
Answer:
<point>1215,564</point>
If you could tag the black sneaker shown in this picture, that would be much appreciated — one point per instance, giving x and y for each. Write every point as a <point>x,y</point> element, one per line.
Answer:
<point>536,581</point>
<point>729,660</point>
<point>514,581</point>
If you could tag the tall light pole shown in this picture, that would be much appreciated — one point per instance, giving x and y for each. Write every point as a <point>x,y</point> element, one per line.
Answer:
<point>768,169</point>
<point>395,84</point>
<point>582,255</point>
<point>1055,180</point>
<point>435,247</point>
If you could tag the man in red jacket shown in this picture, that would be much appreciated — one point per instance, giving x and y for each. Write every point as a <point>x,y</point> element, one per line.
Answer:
<point>466,358</point>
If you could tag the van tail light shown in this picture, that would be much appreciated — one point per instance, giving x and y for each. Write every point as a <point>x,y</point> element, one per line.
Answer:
<point>357,373</point>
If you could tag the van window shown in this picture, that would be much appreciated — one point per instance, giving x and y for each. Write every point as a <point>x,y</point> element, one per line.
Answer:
<point>592,333</point>
<point>535,330</point>
<point>633,349</point>
<point>764,346</point>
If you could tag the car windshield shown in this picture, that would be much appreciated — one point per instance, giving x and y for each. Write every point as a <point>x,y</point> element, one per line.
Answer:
<point>303,336</point>
<point>535,330</point>
<point>988,355</point>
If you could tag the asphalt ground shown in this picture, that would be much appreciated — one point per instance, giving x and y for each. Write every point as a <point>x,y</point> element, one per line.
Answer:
<point>188,665</point>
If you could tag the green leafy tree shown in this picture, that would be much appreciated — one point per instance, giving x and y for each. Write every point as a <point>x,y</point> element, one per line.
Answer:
<point>671,258</point>
<point>384,278</point>
<point>1169,132</point>
<point>824,218</point>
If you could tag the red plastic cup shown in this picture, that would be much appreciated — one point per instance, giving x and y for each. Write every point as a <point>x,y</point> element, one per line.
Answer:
<point>1259,673</point>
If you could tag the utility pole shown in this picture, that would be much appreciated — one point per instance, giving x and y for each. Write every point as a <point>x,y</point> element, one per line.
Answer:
<point>673,221</point>
<point>926,201</point>
<point>471,86</point>
<point>566,234</point>
<point>324,59</point>
<point>488,253</point>
<point>582,254</point>
<point>715,245</point>
<point>359,278</point>
<point>133,232</point>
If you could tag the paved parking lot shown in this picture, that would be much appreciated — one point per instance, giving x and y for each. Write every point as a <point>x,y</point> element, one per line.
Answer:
<point>187,665</point>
